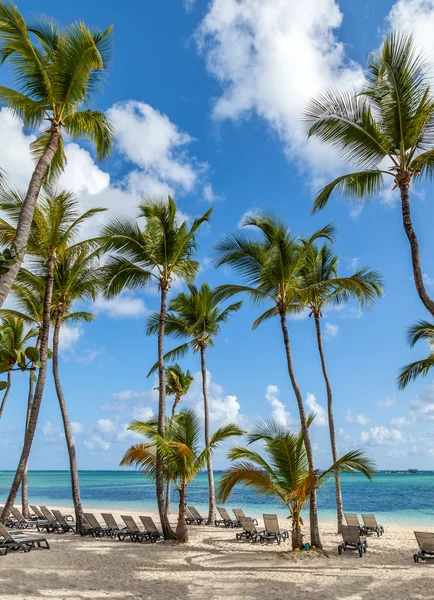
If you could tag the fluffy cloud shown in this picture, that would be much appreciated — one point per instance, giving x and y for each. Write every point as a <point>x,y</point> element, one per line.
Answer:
<point>77,427</point>
<point>279,414</point>
<point>361,419</point>
<point>422,406</point>
<point>106,426</point>
<point>131,401</point>
<point>96,444</point>
<point>69,336</point>
<point>386,403</point>
<point>381,436</point>
<point>330,330</point>
<point>123,306</point>
<point>318,409</point>
<point>51,433</point>
<point>125,434</point>
<point>401,422</point>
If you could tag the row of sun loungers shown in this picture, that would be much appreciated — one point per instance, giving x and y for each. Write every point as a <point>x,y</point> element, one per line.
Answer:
<point>370,524</point>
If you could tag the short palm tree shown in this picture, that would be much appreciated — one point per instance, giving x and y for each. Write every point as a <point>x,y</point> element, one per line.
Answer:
<point>280,470</point>
<point>270,268</point>
<point>196,316</point>
<point>55,226</point>
<point>180,451</point>
<point>422,330</point>
<point>392,121</point>
<point>15,351</point>
<point>56,72</point>
<point>161,251</point>
<point>365,285</point>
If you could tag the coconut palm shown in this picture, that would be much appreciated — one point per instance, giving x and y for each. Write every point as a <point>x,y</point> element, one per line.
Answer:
<point>163,250</point>
<point>55,226</point>
<point>196,316</point>
<point>280,470</point>
<point>422,330</point>
<point>390,122</point>
<point>270,268</point>
<point>56,73</point>
<point>15,352</point>
<point>365,285</point>
<point>180,451</point>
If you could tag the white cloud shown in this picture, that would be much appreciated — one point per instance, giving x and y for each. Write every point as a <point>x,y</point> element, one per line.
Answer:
<point>361,419</point>
<point>427,279</point>
<point>279,414</point>
<point>330,330</point>
<point>106,426</point>
<point>125,434</point>
<point>381,436</point>
<point>223,408</point>
<point>386,403</point>
<point>97,444</point>
<point>123,306</point>
<point>209,195</point>
<point>401,422</point>
<point>422,406</point>
<point>77,427</point>
<point>49,430</point>
<point>69,336</point>
<point>252,212</point>
<point>15,158</point>
<point>318,409</point>
<point>126,395</point>
<point>81,173</point>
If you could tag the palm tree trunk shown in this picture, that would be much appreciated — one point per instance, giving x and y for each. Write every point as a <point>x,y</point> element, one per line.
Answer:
<point>39,390</point>
<point>414,247</point>
<point>168,484</point>
<point>159,484</point>
<point>314,529</point>
<point>296,533</point>
<point>181,528</point>
<point>211,488</point>
<point>75,484</point>
<point>338,490</point>
<point>24,488</point>
<point>6,394</point>
<point>22,233</point>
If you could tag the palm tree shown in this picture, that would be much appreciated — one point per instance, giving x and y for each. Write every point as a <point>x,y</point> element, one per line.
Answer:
<point>280,470</point>
<point>182,458</point>
<point>422,330</point>
<point>55,226</point>
<point>365,286</point>
<point>198,317</point>
<point>271,270</point>
<point>391,120</point>
<point>14,350</point>
<point>56,74</point>
<point>160,252</point>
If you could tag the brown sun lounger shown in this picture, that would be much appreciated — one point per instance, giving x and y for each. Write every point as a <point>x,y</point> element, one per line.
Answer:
<point>352,540</point>
<point>425,540</point>
<point>353,521</point>
<point>195,516</point>
<point>249,530</point>
<point>21,541</point>
<point>151,528</point>
<point>113,528</point>
<point>239,515</point>
<point>132,530</point>
<point>225,519</point>
<point>272,530</point>
<point>370,525</point>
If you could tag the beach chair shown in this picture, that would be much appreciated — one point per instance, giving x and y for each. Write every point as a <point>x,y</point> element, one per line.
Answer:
<point>37,512</point>
<point>20,521</point>
<point>272,530</point>
<point>352,540</point>
<point>249,531</point>
<point>197,518</point>
<point>113,528</point>
<point>425,542</point>
<point>12,540</point>
<point>151,528</point>
<point>132,530</point>
<point>93,527</point>
<point>50,524</point>
<point>225,519</point>
<point>62,521</point>
<point>239,515</point>
<point>353,521</point>
<point>370,525</point>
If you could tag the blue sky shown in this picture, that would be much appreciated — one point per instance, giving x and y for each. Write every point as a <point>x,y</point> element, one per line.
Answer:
<point>206,99</point>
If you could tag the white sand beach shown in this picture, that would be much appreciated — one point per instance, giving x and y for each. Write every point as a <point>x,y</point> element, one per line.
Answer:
<point>214,566</point>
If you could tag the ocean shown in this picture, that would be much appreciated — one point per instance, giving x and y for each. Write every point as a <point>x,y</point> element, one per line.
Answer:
<point>404,498</point>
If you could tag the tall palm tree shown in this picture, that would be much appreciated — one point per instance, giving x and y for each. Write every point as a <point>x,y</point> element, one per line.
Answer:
<point>390,121</point>
<point>55,226</point>
<point>56,73</point>
<point>280,470</point>
<point>198,317</point>
<point>182,457</point>
<point>365,285</point>
<point>160,252</point>
<point>14,350</point>
<point>271,270</point>
<point>422,330</point>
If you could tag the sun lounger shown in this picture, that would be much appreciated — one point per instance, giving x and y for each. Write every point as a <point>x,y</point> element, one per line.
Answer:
<point>249,530</point>
<point>226,519</point>
<point>151,528</point>
<point>370,525</point>
<point>239,515</point>
<point>62,521</point>
<point>195,516</point>
<point>272,530</point>
<point>51,524</point>
<point>113,528</point>
<point>132,530</point>
<point>353,521</point>
<point>425,541</point>
<point>37,512</point>
<point>20,521</point>
<point>20,541</point>
<point>93,527</point>
<point>352,540</point>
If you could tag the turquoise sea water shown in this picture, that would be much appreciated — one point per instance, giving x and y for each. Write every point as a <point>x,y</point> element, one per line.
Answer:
<point>395,497</point>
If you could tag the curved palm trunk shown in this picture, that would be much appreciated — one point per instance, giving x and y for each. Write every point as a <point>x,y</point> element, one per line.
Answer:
<point>181,528</point>
<point>22,233</point>
<point>414,247</point>
<point>159,484</point>
<point>314,529</point>
<point>6,394</point>
<point>75,484</point>
<point>24,488</point>
<point>211,488</point>
<point>168,484</point>
<point>338,489</point>
<point>39,390</point>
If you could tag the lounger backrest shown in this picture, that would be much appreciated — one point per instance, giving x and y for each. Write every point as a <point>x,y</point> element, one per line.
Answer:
<point>425,540</point>
<point>352,519</point>
<point>369,520</point>
<point>92,520</point>
<point>47,514</point>
<point>350,534</point>
<point>5,533</point>
<point>239,514</point>
<point>37,512</point>
<point>59,517</point>
<point>248,525</point>
<point>129,522</point>
<point>194,512</point>
<point>224,513</point>
<point>271,524</point>
<point>110,520</point>
<point>149,524</point>
<point>17,514</point>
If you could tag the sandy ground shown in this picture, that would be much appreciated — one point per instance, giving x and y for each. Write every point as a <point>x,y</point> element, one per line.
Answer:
<point>214,566</point>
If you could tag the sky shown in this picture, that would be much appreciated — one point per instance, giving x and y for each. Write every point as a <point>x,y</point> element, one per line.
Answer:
<point>206,99</point>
